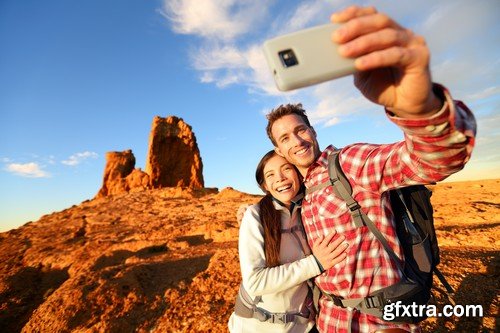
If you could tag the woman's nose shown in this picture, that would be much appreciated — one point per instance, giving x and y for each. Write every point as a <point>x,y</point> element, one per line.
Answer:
<point>281,176</point>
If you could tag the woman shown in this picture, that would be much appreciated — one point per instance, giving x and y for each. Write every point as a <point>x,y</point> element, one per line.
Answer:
<point>276,262</point>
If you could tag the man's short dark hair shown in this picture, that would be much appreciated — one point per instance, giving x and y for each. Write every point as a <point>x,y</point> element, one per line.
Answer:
<point>281,111</point>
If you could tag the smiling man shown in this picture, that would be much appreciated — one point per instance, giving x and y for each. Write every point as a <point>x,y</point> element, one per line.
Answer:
<point>393,71</point>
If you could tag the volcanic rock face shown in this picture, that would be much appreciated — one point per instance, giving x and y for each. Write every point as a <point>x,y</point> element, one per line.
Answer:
<point>120,175</point>
<point>173,156</point>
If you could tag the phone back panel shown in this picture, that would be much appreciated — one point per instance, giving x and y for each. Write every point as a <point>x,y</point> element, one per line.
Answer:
<point>316,56</point>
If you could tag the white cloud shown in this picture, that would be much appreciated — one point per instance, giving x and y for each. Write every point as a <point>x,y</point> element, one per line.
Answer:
<point>228,65</point>
<point>30,170</point>
<point>306,14</point>
<point>218,19</point>
<point>78,158</point>
<point>51,159</point>
<point>487,92</point>
<point>218,57</point>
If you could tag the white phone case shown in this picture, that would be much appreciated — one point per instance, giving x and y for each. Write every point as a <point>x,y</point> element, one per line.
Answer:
<point>306,57</point>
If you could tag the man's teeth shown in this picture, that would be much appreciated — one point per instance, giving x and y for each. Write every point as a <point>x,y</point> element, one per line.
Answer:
<point>283,188</point>
<point>302,151</point>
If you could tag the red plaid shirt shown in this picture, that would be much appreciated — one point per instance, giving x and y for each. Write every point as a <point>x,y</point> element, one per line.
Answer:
<point>433,149</point>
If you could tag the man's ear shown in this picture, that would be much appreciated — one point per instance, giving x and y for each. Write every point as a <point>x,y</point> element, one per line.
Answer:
<point>278,151</point>
<point>314,132</point>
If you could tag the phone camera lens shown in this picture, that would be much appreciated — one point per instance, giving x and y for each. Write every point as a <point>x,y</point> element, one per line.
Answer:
<point>288,58</point>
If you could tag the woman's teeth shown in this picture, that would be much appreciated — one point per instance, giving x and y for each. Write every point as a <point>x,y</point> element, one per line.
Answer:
<point>283,188</point>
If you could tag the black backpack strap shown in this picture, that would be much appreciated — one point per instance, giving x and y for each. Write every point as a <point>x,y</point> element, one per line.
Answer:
<point>450,293</point>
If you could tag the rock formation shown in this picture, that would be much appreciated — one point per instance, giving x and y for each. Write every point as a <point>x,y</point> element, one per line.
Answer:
<point>120,175</point>
<point>173,161</point>
<point>173,156</point>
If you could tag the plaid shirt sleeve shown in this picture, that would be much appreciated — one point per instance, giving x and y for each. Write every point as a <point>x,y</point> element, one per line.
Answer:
<point>433,149</point>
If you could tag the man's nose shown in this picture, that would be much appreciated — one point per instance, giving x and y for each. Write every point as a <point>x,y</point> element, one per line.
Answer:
<point>296,139</point>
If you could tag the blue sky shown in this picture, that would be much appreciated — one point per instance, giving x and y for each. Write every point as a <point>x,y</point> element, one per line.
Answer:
<point>81,78</point>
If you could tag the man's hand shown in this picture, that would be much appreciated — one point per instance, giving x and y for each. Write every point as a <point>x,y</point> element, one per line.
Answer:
<point>241,211</point>
<point>393,62</point>
<point>329,251</point>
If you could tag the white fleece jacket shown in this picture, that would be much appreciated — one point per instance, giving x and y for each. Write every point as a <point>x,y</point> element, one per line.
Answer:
<point>282,288</point>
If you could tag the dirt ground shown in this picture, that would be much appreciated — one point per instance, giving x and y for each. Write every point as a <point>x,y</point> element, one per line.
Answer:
<point>167,261</point>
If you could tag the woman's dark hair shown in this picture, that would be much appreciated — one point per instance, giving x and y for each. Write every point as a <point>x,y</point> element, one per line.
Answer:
<point>270,218</point>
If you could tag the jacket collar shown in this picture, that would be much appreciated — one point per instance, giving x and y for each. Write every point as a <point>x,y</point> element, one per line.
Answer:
<point>296,201</point>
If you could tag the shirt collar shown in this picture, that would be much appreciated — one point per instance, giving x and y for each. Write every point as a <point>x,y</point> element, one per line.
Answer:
<point>321,161</point>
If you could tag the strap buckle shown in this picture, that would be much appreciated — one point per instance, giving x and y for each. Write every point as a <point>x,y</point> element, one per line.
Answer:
<point>275,318</point>
<point>280,318</point>
<point>337,300</point>
<point>373,302</point>
<point>354,206</point>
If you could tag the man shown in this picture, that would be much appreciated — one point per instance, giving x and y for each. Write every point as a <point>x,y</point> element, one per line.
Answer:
<point>393,66</point>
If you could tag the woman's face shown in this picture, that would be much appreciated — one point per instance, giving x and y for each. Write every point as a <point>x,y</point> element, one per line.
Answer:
<point>281,179</point>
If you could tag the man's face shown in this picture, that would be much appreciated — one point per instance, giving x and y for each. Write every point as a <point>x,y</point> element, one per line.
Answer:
<point>295,141</point>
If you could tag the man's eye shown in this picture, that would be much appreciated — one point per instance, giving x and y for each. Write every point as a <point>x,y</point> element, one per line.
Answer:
<point>284,140</point>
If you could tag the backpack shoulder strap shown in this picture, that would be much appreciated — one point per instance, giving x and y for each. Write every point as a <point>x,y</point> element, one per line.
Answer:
<point>343,189</point>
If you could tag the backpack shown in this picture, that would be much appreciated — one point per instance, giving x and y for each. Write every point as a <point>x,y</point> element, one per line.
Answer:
<point>414,222</point>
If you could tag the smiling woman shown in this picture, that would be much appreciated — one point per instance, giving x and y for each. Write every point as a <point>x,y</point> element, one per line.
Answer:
<point>275,259</point>
<point>280,178</point>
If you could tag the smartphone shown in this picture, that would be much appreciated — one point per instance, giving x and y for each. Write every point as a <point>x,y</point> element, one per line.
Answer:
<point>306,57</point>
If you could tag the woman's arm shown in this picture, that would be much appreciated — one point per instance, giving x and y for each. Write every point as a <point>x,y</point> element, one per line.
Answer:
<point>259,279</point>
